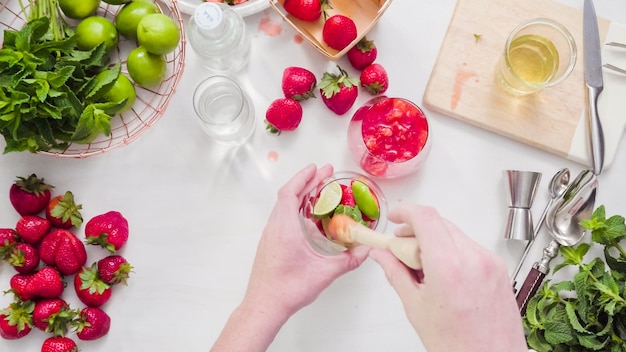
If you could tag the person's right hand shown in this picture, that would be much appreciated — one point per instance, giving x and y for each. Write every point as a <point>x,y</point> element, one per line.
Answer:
<point>463,299</point>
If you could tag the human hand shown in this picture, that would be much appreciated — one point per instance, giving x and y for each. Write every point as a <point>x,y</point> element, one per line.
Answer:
<point>462,300</point>
<point>287,273</point>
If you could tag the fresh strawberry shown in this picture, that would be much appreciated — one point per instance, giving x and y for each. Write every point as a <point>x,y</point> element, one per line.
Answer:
<point>24,258</point>
<point>347,197</point>
<point>108,230</point>
<point>29,195</point>
<point>93,324</point>
<point>339,31</point>
<point>59,344</point>
<point>45,283</point>
<point>283,114</point>
<point>8,239</point>
<point>114,269</point>
<point>374,79</point>
<point>298,83</point>
<point>339,91</point>
<point>63,212</point>
<point>53,316</point>
<point>19,285</point>
<point>363,54</point>
<point>306,10</point>
<point>90,289</point>
<point>16,320</point>
<point>63,250</point>
<point>32,228</point>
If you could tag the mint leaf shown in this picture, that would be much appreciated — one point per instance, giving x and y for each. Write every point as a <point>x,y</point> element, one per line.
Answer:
<point>558,332</point>
<point>591,342</point>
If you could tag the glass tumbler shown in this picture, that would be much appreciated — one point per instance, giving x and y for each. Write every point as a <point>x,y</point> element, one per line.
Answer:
<point>389,137</point>
<point>225,111</point>
<point>314,226</point>
<point>539,53</point>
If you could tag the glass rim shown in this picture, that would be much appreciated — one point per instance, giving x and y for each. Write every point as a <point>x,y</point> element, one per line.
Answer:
<point>216,79</point>
<point>330,247</point>
<point>561,29</point>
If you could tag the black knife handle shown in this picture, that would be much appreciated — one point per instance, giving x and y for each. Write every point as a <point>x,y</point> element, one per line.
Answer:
<point>529,289</point>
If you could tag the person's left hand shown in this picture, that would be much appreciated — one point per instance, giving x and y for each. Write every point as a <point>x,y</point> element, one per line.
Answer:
<point>287,273</point>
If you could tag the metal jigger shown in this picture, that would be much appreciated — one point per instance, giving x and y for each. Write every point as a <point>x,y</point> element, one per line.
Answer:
<point>522,186</point>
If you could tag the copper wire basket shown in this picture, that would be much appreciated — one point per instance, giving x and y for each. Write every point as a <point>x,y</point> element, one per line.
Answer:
<point>149,105</point>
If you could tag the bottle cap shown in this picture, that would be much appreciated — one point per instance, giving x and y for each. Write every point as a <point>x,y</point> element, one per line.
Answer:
<point>208,15</point>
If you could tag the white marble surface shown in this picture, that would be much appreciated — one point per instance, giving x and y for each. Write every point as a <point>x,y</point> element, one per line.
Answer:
<point>196,209</point>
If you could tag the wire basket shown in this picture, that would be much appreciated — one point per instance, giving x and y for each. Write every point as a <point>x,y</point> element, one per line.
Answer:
<point>149,105</point>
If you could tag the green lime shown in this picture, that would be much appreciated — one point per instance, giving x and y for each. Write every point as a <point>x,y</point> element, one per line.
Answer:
<point>146,69</point>
<point>79,9</point>
<point>94,30</point>
<point>131,14</point>
<point>329,199</point>
<point>158,33</point>
<point>122,89</point>
<point>116,2</point>
<point>365,200</point>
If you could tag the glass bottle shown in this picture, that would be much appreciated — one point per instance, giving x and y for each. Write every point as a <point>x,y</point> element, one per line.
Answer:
<point>218,34</point>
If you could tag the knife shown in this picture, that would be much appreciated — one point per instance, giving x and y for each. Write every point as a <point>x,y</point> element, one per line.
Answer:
<point>594,83</point>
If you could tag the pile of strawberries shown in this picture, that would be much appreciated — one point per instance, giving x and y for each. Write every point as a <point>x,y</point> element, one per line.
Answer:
<point>338,90</point>
<point>45,252</point>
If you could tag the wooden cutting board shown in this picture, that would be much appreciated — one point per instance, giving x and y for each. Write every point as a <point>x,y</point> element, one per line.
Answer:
<point>462,83</point>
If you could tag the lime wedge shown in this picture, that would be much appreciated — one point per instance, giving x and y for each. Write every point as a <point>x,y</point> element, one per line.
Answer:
<point>329,199</point>
<point>365,200</point>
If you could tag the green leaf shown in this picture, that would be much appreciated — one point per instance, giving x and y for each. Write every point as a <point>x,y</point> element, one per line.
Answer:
<point>559,332</point>
<point>102,82</point>
<point>532,312</point>
<point>31,32</point>
<point>573,318</point>
<point>59,77</point>
<point>615,263</point>
<point>537,341</point>
<point>591,342</point>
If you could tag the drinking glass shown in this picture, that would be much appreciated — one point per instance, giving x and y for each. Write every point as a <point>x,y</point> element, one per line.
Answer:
<point>538,53</point>
<point>389,137</point>
<point>224,110</point>
<point>313,226</point>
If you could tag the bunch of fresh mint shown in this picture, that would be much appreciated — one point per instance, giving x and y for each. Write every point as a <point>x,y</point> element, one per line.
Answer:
<point>588,312</point>
<point>51,93</point>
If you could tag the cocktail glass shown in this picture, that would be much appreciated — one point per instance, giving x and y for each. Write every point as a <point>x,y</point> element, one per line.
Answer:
<point>314,226</point>
<point>389,137</point>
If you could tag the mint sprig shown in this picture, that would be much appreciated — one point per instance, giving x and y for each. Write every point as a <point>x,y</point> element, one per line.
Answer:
<point>587,312</point>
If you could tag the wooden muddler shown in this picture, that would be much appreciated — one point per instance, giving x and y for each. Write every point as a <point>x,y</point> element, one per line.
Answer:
<point>344,229</point>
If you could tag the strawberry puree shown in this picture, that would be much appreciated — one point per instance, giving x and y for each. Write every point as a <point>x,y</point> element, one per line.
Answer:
<point>270,28</point>
<point>462,75</point>
<point>394,130</point>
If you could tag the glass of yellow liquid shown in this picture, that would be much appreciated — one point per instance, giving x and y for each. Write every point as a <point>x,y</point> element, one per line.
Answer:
<point>539,53</point>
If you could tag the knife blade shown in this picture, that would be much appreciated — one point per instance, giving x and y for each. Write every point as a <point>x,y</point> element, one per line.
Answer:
<point>594,82</point>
